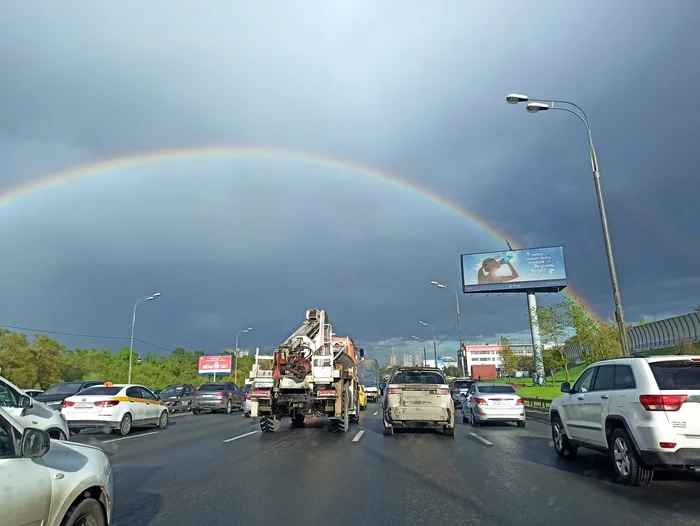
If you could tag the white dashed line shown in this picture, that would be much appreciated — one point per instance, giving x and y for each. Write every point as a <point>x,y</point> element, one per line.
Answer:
<point>375,413</point>
<point>482,439</point>
<point>134,436</point>
<point>358,436</point>
<point>240,436</point>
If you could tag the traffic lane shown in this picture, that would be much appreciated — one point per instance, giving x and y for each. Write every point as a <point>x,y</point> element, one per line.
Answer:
<point>182,433</point>
<point>527,456</point>
<point>254,479</point>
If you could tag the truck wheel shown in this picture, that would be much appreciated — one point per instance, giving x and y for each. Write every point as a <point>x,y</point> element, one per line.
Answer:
<point>298,420</point>
<point>388,430</point>
<point>270,424</point>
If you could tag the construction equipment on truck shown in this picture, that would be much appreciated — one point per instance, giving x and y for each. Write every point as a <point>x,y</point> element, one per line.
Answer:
<point>313,374</point>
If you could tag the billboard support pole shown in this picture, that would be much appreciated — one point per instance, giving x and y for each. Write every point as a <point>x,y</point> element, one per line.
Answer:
<point>215,377</point>
<point>425,357</point>
<point>536,340</point>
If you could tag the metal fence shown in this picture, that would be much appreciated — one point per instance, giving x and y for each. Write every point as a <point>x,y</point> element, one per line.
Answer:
<point>653,335</point>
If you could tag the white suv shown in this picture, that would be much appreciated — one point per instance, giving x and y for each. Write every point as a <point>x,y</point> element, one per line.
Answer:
<point>644,412</point>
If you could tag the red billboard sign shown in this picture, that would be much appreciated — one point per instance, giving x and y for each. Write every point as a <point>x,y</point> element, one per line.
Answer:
<point>215,364</point>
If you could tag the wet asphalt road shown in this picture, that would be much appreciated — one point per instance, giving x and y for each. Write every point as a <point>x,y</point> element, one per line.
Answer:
<point>192,473</point>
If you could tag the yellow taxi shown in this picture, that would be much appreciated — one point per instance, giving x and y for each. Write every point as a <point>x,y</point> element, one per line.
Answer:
<point>362,398</point>
<point>114,406</point>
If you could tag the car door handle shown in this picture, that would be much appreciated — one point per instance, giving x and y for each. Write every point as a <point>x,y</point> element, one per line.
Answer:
<point>581,397</point>
<point>132,400</point>
<point>604,397</point>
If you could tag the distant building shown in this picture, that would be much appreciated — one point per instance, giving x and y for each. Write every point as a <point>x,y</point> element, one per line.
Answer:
<point>390,360</point>
<point>490,354</point>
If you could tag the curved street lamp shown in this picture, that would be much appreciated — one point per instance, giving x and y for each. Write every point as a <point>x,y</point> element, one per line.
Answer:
<point>133,326</point>
<point>460,354</point>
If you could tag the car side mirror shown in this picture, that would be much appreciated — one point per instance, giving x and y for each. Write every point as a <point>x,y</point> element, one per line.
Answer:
<point>565,387</point>
<point>35,443</point>
<point>25,401</point>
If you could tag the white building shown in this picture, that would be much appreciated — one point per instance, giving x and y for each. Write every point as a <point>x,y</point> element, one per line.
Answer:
<point>490,354</point>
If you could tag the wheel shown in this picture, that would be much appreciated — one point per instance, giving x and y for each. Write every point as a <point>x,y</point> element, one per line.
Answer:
<point>229,407</point>
<point>74,431</point>
<point>628,468</point>
<point>163,420</point>
<point>125,425</point>
<point>562,446</point>
<point>87,512</point>
<point>356,417</point>
<point>521,423</point>
<point>464,418</point>
<point>270,424</point>
<point>388,430</point>
<point>247,415</point>
<point>449,431</point>
<point>298,420</point>
<point>473,420</point>
<point>196,411</point>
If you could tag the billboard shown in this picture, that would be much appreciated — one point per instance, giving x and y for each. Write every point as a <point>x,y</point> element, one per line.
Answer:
<point>215,364</point>
<point>531,269</point>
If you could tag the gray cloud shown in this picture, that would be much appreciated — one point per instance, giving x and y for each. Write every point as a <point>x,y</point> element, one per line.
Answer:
<point>414,90</point>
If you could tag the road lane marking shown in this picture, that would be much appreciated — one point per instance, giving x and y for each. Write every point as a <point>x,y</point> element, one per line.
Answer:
<point>133,436</point>
<point>375,413</point>
<point>240,436</point>
<point>358,436</point>
<point>482,439</point>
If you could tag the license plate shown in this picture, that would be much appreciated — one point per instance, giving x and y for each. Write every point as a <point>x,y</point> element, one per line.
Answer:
<point>83,406</point>
<point>207,396</point>
<point>500,403</point>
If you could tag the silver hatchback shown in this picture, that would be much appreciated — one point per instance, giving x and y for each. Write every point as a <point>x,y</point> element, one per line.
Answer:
<point>493,403</point>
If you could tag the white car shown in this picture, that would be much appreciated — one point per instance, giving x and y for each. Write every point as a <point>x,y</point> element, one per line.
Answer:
<point>418,397</point>
<point>31,413</point>
<point>642,411</point>
<point>114,406</point>
<point>493,403</point>
<point>51,482</point>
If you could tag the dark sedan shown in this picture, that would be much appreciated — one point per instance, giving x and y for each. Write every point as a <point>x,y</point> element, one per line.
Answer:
<point>57,393</point>
<point>218,396</point>
<point>178,397</point>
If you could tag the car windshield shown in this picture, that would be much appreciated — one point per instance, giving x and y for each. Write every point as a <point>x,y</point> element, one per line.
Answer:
<point>212,387</point>
<point>67,388</point>
<point>173,390</point>
<point>676,375</point>
<point>418,377</point>
<point>101,390</point>
<point>497,389</point>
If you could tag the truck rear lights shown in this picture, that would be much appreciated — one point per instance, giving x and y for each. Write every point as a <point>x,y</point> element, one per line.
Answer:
<point>662,402</point>
<point>330,393</point>
<point>260,394</point>
<point>106,403</point>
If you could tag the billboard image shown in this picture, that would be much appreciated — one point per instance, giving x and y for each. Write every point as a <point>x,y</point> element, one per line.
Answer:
<point>530,269</point>
<point>215,364</point>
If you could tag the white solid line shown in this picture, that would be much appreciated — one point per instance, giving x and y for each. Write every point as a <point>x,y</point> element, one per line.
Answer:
<point>375,413</point>
<point>133,436</point>
<point>358,436</point>
<point>240,436</point>
<point>482,439</point>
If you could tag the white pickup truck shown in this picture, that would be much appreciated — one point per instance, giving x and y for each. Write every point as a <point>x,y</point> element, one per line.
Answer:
<point>418,397</point>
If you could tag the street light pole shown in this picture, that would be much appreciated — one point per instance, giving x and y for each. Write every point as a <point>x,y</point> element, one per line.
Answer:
<point>460,355</point>
<point>425,356</point>
<point>235,373</point>
<point>133,327</point>
<point>544,105</point>
<point>434,345</point>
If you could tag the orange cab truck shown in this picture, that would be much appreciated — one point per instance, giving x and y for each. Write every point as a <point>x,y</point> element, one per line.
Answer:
<point>314,374</point>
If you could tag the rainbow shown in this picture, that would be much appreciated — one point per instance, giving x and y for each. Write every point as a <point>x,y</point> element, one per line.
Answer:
<point>94,169</point>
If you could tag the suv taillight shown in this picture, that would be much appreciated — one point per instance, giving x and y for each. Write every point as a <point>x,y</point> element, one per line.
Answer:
<point>662,402</point>
<point>68,403</point>
<point>394,390</point>
<point>106,403</point>
<point>247,395</point>
<point>443,391</point>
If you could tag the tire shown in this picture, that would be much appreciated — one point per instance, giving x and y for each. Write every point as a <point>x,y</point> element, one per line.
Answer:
<point>521,423</point>
<point>229,407</point>
<point>464,418</point>
<point>473,420</point>
<point>562,446</point>
<point>388,431</point>
<point>74,431</point>
<point>196,411</point>
<point>86,509</point>
<point>163,420</point>
<point>247,415</point>
<point>449,431</point>
<point>125,425</point>
<point>626,463</point>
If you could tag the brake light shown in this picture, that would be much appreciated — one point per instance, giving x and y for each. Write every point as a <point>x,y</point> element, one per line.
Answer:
<point>480,401</point>
<point>443,391</point>
<point>662,402</point>
<point>394,390</point>
<point>106,403</point>
<point>260,393</point>
<point>68,403</point>
<point>327,392</point>
<point>196,395</point>
<point>520,401</point>
<point>247,396</point>
<point>221,394</point>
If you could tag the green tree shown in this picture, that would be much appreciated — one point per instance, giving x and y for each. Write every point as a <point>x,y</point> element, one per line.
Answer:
<point>554,324</point>
<point>605,343</point>
<point>509,360</point>
<point>451,370</point>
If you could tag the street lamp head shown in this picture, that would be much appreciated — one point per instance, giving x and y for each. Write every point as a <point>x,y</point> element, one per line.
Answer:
<point>435,283</point>
<point>156,295</point>
<point>415,337</point>
<point>422,323</point>
<point>535,107</point>
<point>515,98</point>
<point>149,298</point>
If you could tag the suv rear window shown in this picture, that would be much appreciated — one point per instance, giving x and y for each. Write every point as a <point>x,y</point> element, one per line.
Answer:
<point>101,391</point>
<point>212,387</point>
<point>676,375</point>
<point>418,377</point>
<point>463,384</point>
